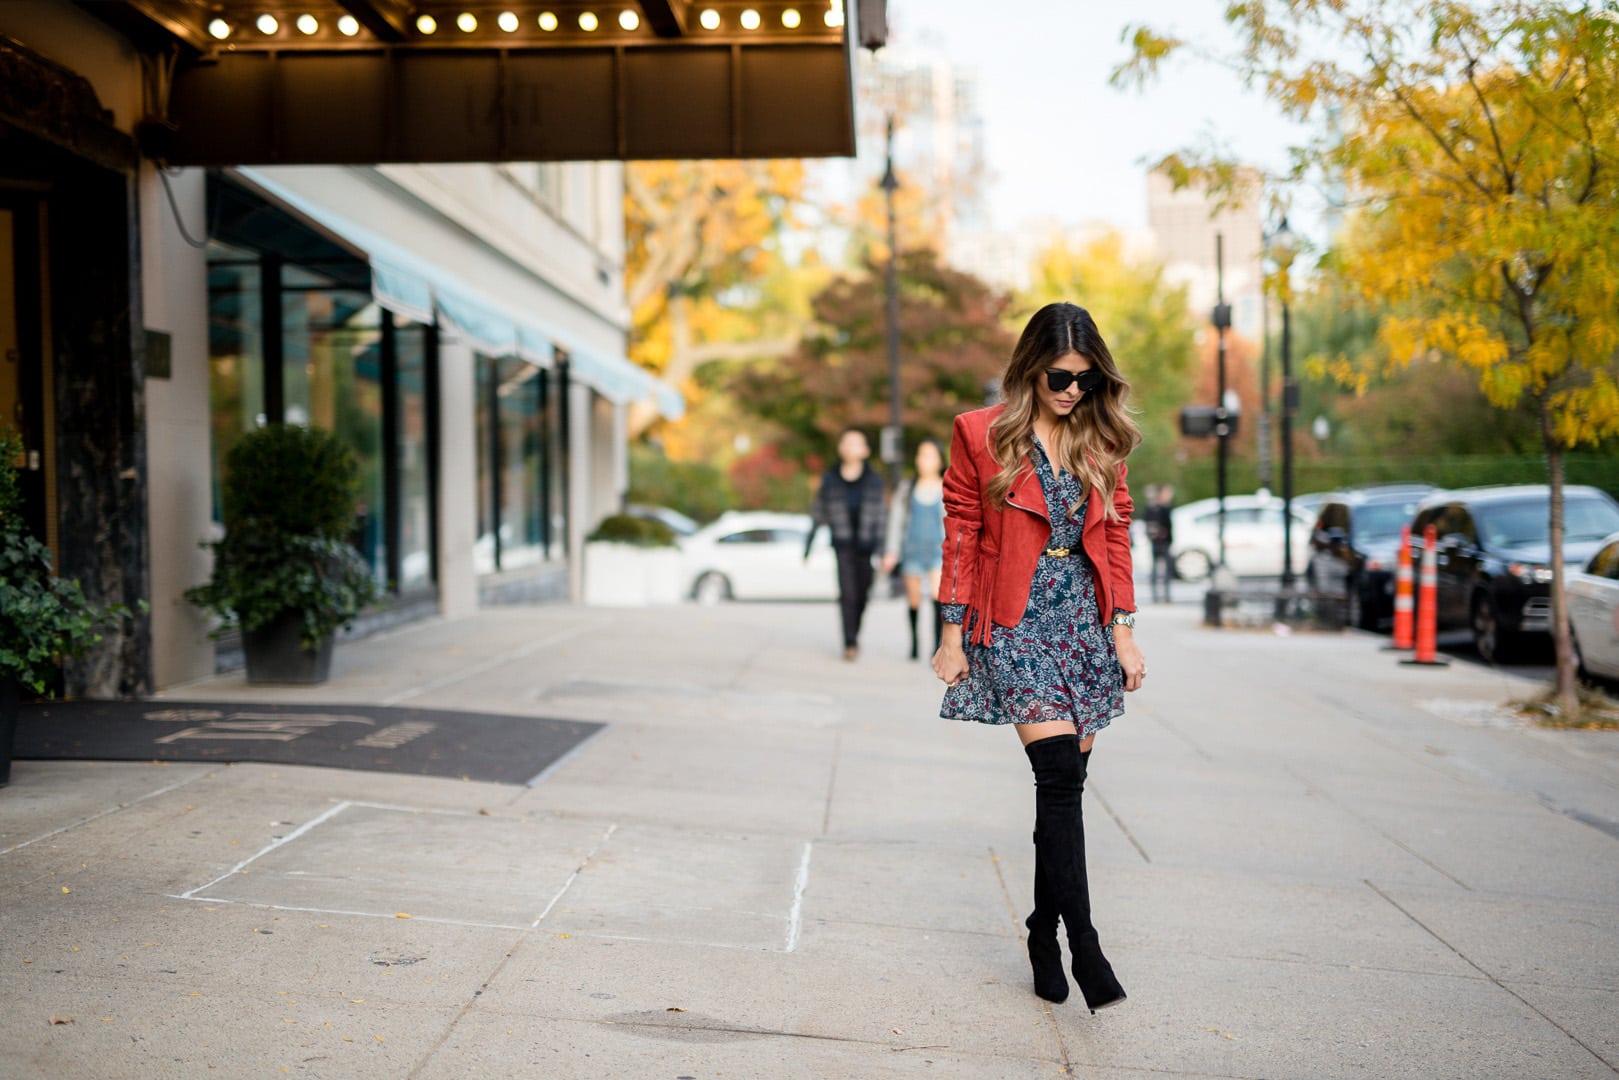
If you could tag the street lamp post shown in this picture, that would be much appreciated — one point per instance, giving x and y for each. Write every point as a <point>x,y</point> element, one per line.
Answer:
<point>1283,247</point>
<point>1263,434</point>
<point>1222,424</point>
<point>894,445</point>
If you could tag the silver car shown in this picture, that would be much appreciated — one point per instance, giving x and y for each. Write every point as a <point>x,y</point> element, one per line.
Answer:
<point>1593,611</point>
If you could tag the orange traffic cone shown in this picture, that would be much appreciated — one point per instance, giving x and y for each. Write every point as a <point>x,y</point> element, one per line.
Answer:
<point>1427,654</point>
<point>1403,600</point>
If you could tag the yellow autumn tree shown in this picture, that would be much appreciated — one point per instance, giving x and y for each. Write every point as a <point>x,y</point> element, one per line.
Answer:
<point>701,238</point>
<point>1479,146</point>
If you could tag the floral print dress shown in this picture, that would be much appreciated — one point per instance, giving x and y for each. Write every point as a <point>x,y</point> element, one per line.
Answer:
<point>1058,662</point>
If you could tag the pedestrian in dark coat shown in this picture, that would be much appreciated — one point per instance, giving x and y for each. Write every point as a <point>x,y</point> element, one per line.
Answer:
<point>1161,534</point>
<point>850,502</point>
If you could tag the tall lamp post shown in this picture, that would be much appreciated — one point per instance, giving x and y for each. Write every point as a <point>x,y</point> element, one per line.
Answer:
<point>893,443</point>
<point>1222,419</point>
<point>1283,247</point>
<point>1263,435</point>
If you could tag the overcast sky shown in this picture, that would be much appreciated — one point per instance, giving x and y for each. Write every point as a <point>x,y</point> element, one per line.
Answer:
<point>1061,142</point>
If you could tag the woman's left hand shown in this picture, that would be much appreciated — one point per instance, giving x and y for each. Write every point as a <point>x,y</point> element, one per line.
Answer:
<point>1130,658</point>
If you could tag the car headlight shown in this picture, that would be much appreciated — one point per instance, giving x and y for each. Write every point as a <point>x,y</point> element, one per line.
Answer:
<point>1528,572</point>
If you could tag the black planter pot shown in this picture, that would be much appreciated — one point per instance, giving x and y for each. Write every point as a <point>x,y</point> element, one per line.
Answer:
<point>275,653</point>
<point>9,697</point>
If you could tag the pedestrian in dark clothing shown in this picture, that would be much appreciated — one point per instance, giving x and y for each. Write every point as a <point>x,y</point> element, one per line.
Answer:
<point>1161,534</point>
<point>850,503</point>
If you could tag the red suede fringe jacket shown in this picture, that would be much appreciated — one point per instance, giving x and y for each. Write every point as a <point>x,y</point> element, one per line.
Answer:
<point>991,552</point>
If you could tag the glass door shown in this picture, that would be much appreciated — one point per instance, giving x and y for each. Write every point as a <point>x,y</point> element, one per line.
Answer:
<point>22,374</point>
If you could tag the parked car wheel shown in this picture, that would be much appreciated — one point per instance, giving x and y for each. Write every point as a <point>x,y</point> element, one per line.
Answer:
<point>711,589</point>
<point>1493,643</point>
<point>1193,565</point>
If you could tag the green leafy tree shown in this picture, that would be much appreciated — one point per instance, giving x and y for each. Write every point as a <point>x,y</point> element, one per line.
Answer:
<point>1147,326</point>
<point>1479,142</point>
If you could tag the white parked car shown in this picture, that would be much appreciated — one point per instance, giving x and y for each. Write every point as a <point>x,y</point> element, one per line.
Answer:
<point>748,555</point>
<point>1593,611</point>
<point>1253,537</point>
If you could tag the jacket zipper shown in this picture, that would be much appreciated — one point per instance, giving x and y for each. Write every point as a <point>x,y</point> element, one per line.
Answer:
<point>955,568</point>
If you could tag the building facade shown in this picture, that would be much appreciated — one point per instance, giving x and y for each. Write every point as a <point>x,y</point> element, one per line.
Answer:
<point>1184,225</point>
<point>461,327</point>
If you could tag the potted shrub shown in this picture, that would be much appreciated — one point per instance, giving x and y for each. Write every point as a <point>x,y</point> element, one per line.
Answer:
<point>46,618</point>
<point>285,574</point>
<point>631,562</point>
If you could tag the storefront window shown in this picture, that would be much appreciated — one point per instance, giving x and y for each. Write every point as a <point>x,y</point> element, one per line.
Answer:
<point>296,336</point>
<point>235,352</point>
<point>415,480</point>
<point>512,459</point>
<point>332,379</point>
<point>327,356</point>
<point>521,459</point>
<point>485,558</point>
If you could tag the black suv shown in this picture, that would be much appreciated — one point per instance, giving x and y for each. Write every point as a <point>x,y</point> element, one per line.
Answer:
<point>1494,556</point>
<point>1354,545</point>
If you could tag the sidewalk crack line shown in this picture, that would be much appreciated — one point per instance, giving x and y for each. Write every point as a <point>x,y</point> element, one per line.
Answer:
<point>110,810</point>
<point>1475,966</point>
<point>1045,1006</point>
<point>1117,820</point>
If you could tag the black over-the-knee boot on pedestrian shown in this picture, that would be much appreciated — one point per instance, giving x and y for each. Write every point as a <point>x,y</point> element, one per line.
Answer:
<point>915,644</point>
<point>1059,837</point>
<point>1045,955</point>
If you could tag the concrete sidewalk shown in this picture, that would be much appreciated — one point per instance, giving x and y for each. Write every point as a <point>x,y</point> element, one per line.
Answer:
<point>1307,861</point>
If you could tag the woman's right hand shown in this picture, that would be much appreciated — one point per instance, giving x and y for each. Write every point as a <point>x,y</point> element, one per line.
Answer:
<point>950,662</point>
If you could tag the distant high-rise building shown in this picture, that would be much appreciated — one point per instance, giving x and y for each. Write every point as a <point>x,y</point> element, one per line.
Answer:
<point>938,143</point>
<point>1184,225</point>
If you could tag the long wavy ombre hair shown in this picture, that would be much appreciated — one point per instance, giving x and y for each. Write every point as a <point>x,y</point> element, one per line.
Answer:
<point>1093,440</point>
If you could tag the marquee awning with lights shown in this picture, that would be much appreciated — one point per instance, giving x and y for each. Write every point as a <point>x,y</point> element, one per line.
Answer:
<point>374,81</point>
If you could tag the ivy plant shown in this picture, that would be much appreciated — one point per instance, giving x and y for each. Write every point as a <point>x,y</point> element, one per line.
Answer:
<point>44,619</point>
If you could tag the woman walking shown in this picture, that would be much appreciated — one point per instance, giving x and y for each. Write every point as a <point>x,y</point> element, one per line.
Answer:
<point>850,503</point>
<point>915,534</point>
<point>1039,602</point>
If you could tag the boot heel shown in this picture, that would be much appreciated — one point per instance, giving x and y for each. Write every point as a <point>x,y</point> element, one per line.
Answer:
<point>1094,974</point>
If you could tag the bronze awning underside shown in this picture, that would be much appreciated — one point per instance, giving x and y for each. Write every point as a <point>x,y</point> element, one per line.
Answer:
<point>372,81</point>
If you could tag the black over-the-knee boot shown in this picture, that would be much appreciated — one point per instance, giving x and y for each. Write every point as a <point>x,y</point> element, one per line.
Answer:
<point>915,644</point>
<point>1061,885</point>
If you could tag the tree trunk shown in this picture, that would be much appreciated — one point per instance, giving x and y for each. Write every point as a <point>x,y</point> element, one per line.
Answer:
<point>1566,684</point>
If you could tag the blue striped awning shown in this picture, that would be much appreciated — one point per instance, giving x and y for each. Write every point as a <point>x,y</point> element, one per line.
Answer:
<point>411,286</point>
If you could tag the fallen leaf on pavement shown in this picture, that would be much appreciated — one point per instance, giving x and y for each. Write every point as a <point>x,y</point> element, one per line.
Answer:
<point>66,889</point>
<point>61,1019</point>
<point>674,1008</point>
<point>400,915</point>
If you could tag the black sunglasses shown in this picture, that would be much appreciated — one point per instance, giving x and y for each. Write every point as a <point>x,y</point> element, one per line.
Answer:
<point>1087,380</point>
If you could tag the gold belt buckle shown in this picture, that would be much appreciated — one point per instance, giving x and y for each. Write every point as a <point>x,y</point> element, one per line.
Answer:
<point>1057,553</point>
